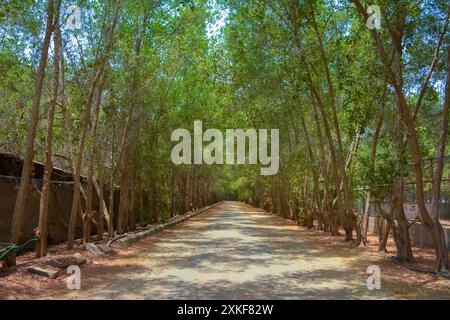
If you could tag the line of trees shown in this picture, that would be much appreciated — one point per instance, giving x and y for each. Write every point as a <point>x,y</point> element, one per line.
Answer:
<point>105,98</point>
<point>359,109</point>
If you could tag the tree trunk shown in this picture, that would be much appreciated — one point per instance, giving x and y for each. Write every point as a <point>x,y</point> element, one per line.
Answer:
<point>42,232</point>
<point>103,211</point>
<point>19,208</point>
<point>401,229</point>
<point>442,262</point>
<point>373,155</point>
<point>385,230</point>
<point>89,214</point>
<point>283,211</point>
<point>98,71</point>
<point>111,207</point>
<point>77,174</point>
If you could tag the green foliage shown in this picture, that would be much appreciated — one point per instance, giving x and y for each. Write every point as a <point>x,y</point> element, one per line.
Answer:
<point>249,76</point>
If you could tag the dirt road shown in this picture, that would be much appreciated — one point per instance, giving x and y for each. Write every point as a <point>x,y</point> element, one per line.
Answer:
<point>237,252</point>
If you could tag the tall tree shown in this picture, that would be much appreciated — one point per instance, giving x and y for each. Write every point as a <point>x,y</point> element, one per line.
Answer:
<point>41,246</point>
<point>19,208</point>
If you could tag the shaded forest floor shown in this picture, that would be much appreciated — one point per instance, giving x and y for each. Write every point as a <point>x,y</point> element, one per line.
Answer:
<point>235,251</point>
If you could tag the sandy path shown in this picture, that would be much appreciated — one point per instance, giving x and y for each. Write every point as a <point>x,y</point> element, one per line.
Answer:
<point>237,252</point>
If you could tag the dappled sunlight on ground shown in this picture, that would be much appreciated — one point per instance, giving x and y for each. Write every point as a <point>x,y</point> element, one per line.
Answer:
<point>238,252</point>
